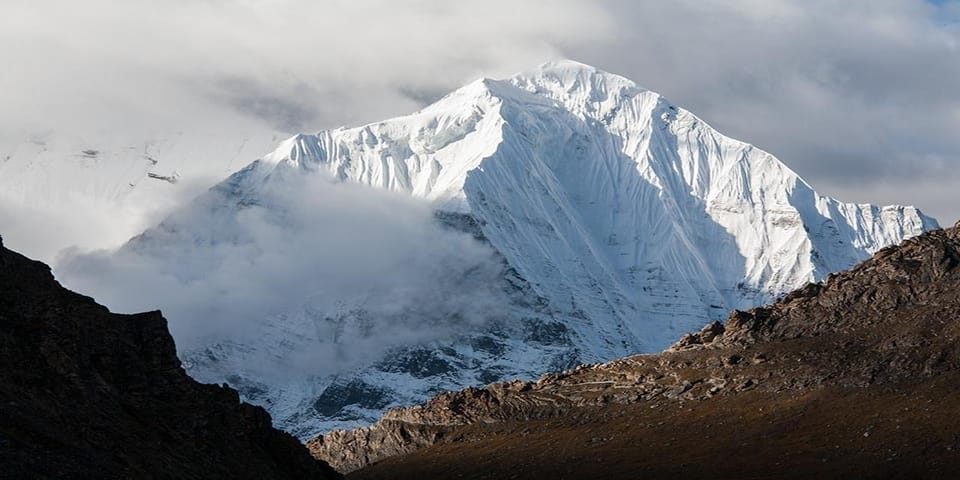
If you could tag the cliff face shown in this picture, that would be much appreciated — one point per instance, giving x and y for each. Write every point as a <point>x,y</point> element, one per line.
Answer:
<point>856,376</point>
<point>85,393</point>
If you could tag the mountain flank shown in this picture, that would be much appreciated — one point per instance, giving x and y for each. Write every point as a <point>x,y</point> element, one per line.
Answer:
<point>85,393</point>
<point>622,221</point>
<point>853,377</point>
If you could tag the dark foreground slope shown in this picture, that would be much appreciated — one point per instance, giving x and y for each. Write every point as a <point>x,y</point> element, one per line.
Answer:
<point>858,377</point>
<point>85,393</point>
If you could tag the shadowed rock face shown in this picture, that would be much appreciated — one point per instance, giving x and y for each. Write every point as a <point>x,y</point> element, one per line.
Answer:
<point>85,393</point>
<point>855,377</point>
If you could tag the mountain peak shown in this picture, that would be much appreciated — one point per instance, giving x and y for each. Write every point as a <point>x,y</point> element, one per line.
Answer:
<point>623,221</point>
<point>582,89</point>
<point>569,71</point>
<point>564,68</point>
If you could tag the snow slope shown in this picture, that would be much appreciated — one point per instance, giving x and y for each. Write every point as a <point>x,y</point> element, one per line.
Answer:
<point>622,221</point>
<point>96,190</point>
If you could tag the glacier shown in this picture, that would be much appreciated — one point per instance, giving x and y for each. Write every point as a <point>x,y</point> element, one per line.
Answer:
<point>619,222</point>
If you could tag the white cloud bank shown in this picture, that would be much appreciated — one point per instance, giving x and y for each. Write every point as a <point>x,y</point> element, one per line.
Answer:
<point>362,269</point>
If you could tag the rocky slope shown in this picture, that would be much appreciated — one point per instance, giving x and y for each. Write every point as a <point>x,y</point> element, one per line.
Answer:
<point>856,376</point>
<point>85,393</point>
<point>622,220</point>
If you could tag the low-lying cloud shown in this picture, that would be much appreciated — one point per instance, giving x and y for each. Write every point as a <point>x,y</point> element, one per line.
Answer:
<point>322,275</point>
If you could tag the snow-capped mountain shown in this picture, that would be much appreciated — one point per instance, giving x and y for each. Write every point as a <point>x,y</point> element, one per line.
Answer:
<point>620,222</point>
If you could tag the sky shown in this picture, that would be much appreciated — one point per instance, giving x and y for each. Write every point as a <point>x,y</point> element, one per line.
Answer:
<point>860,97</point>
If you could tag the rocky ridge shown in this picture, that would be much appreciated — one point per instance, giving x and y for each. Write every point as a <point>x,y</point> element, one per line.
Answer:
<point>880,333</point>
<point>86,393</point>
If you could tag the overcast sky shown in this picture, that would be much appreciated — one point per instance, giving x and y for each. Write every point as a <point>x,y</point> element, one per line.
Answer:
<point>861,97</point>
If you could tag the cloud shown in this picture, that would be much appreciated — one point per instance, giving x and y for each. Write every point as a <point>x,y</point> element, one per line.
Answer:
<point>346,61</point>
<point>859,96</point>
<point>282,110</point>
<point>351,271</point>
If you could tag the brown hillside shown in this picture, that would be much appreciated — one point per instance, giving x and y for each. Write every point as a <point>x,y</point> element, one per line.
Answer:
<point>857,377</point>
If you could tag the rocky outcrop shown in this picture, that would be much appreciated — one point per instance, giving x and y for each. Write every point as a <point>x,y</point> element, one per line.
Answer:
<point>885,333</point>
<point>86,393</point>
